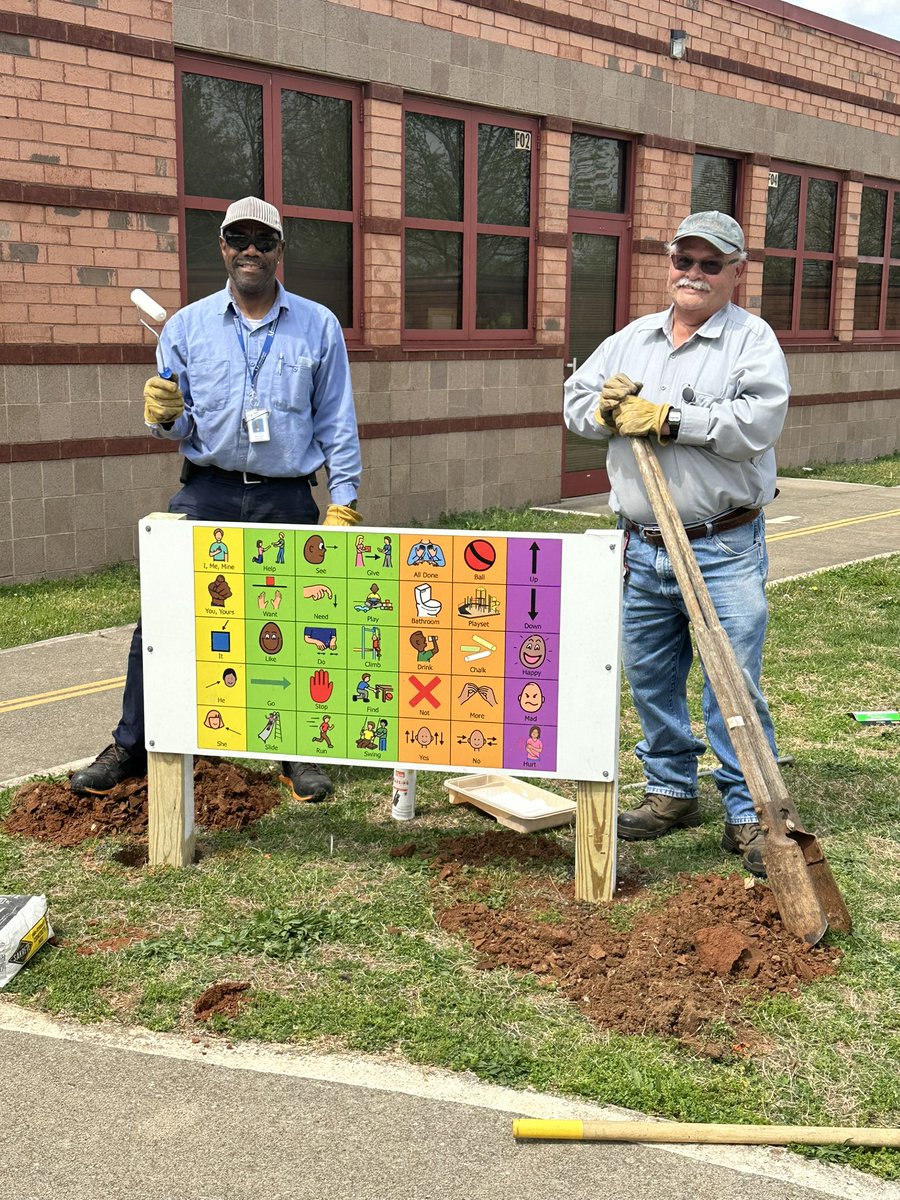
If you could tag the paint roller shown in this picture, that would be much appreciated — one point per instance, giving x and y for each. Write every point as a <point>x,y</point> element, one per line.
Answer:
<point>148,306</point>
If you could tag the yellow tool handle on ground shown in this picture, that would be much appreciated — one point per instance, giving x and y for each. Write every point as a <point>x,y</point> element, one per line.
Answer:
<point>529,1128</point>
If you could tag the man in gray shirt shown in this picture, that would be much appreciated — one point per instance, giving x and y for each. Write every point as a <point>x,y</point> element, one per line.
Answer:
<point>714,395</point>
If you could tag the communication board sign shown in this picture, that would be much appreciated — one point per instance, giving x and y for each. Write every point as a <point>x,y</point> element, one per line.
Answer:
<point>451,650</point>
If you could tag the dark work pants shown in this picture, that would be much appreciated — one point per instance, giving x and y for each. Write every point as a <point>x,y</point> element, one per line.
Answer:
<point>212,498</point>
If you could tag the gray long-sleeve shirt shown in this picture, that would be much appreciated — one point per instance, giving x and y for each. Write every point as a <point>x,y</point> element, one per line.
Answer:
<point>730,382</point>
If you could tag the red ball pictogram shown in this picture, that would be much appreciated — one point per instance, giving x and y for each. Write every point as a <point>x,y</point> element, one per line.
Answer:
<point>479,555</point>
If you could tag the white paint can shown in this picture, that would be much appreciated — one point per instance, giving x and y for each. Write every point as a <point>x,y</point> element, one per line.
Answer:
<point>403,804</point>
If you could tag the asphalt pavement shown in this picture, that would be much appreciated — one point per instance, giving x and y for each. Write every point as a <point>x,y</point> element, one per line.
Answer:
<point>101,1111</point>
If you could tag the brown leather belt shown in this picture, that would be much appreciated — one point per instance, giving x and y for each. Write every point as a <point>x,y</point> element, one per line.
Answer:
<point>733,519</point>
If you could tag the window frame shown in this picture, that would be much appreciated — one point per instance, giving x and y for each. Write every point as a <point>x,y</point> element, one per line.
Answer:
<point>272,82</point>
<point>886,260</point>
<point>794,334</point>
<point>738,160</point>
<point>470,227</point>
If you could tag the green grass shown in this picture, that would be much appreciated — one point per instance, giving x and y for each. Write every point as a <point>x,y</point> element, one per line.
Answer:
<point>882,472</point>
<point>342,948</point>
<point>51,608</point>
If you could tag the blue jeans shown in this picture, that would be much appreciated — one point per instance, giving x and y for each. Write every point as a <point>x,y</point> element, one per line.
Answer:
<point>212,498</point>
<point>658,656</point>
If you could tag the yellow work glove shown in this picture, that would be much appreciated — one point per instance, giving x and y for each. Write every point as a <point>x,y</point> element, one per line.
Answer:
<point>163,401</point>
<point>637,417</point>
<point>341,514</point>
<point>616,388</point>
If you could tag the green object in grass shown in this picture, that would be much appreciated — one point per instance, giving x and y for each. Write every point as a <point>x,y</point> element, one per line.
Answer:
<point>876,718</point>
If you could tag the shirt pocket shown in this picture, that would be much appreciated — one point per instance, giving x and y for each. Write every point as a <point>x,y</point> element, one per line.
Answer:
<point>210,384</point>
<point>294,385</point>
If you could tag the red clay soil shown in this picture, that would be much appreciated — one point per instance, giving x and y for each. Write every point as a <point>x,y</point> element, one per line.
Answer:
<point>222,999</point>
<point>691,962</point>
<point>226,796</point>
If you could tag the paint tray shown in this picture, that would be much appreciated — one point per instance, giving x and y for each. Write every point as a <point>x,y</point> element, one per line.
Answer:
<point>514,803</point>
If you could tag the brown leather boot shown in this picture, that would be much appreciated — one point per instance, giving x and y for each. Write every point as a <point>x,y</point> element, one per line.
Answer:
<point>748,841</point>
<point>656,815</point>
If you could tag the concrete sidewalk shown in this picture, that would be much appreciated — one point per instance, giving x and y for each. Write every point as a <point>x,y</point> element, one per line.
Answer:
<point>60,700</point>
<point>167,1118</point>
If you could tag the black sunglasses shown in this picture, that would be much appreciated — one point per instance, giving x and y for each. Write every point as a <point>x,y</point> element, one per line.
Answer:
<point>709,266</point>
<point>265,243</point>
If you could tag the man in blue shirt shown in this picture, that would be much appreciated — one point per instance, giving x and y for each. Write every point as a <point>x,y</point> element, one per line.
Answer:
<point>254,383</point>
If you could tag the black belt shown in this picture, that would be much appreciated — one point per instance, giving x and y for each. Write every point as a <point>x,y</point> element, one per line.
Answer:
<point>191,470</point>
<point>733,519</point>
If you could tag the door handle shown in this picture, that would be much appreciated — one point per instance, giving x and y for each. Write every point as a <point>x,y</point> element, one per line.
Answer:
<point>573,365</point>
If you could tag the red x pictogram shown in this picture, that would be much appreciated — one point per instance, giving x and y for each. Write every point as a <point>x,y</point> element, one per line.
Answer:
<point>424,691</point>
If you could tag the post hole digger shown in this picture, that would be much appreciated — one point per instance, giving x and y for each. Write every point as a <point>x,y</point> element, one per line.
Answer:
<point>804,888</point>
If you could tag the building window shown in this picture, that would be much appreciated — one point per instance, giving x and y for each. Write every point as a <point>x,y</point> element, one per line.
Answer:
<point>468,226</point>
<point>292,141</point>
<point>877,308</point>
<point>801,245</point>
<point>597,174</point>
<point>714,184</point>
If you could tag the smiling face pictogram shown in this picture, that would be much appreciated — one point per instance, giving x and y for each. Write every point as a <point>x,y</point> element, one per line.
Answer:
<point>533,651</point>
<point>314,550</point>
<point>270,639</point>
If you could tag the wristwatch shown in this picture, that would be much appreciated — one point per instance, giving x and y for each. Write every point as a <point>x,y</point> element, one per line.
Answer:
<point>674,422</point>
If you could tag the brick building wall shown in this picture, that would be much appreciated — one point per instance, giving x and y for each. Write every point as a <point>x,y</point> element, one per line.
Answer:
<point>89,210</point>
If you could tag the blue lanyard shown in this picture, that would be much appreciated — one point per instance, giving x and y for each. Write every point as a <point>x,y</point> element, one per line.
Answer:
<point>253,373</point>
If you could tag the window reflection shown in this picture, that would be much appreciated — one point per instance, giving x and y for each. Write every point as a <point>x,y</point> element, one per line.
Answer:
<point>783,213</point>
<point>502,283</point>
<point>597,173</point>
<point>205,269</point>
<point>815,294</point>
<point>504,177</point>
<point>318,257</point>
<point>433,165</point>
<point>316,150</point>
<point>821,213</point>
<point>433,269</point>
<point>872,221</point>
<point>778,292</point>
<point>222,126</point>
<point>714,184</point>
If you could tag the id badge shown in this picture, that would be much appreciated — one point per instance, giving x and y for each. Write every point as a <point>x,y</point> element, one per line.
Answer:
<point>257,421</point>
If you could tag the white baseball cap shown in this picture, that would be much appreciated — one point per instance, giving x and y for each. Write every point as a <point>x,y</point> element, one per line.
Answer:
<point>251,208</point>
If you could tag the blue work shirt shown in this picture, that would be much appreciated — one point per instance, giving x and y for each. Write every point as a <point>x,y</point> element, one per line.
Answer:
<point>304,383</point>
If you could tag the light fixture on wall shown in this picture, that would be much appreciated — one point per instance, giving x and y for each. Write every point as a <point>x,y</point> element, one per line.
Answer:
<point>677,43</point>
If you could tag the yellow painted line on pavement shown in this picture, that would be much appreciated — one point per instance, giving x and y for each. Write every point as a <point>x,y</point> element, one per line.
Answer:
<point>69,693</point>
<point>781,537</point>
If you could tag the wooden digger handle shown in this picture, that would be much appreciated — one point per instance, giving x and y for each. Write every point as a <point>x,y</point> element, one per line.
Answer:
<point>733,1135</point>
<point>807,895</point>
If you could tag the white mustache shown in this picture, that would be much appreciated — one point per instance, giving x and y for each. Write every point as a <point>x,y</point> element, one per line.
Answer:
<point>697,285</point>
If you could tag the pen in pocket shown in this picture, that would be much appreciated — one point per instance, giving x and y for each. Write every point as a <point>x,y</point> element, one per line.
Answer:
<point>280,364</point>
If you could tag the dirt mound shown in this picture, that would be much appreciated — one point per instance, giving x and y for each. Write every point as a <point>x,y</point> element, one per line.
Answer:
<point>226,796</point>
<point>223,999</point>
<point>692,962</point>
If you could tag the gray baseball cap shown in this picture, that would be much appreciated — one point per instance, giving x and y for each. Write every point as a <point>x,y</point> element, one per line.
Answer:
<point>717,228</point>
<point>251,208</point>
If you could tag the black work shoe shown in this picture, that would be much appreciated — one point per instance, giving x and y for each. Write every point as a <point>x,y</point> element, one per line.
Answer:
<point>111,766</point>
<point>656,815</point>
<point>748,841</point>
<point>306,781</point>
